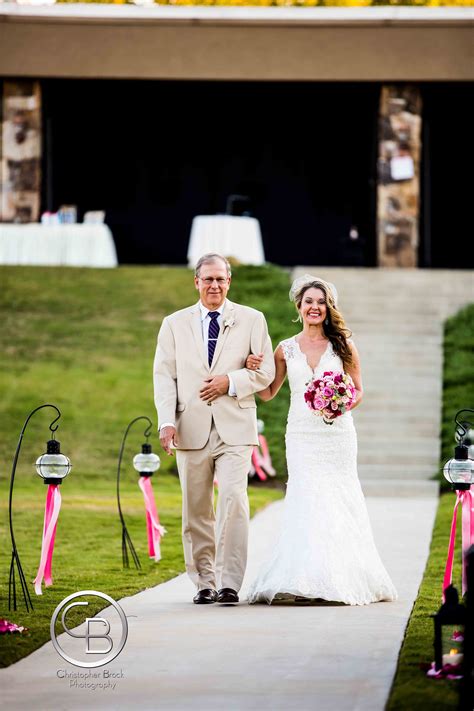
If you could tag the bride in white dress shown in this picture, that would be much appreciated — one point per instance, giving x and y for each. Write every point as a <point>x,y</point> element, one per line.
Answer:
<point>325,548</point>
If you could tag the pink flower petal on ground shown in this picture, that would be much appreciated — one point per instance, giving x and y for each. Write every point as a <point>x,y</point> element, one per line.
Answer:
<point>6,627</point>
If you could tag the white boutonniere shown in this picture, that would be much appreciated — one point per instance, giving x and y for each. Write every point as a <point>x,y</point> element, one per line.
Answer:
<point>229,322</point>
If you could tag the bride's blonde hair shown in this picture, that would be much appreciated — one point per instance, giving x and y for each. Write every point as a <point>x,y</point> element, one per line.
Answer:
<point>335,330</point>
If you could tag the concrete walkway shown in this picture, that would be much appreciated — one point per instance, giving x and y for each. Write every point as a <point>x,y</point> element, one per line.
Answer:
<point>182,656</point>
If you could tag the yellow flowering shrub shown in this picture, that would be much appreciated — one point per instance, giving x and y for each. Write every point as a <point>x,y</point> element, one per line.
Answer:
<point>296,3</point>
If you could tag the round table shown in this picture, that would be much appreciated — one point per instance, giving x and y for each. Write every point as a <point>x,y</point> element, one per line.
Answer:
<point>231,236</point>
<point>76,245</point>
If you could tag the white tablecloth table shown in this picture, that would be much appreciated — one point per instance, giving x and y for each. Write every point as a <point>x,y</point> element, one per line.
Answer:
<point>76,245</point>
<point>231,236</point>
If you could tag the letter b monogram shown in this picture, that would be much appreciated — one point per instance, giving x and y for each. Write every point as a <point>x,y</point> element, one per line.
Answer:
<point>90,636</point>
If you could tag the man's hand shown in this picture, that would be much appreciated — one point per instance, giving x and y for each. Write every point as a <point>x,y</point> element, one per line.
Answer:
<point>214,388</point>
<point>168,438</point>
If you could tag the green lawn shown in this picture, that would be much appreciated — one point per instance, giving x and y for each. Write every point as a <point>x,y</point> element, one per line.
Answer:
<point>84,339</point>
<point>412,688</point>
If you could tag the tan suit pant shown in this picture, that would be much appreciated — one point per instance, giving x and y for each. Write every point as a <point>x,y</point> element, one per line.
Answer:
<point>215,544</point>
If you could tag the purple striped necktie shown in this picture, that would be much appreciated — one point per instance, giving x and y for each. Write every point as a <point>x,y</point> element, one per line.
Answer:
<point>213,335</point>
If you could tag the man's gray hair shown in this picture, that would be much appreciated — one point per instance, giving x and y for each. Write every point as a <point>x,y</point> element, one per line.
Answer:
<point>210,258</point>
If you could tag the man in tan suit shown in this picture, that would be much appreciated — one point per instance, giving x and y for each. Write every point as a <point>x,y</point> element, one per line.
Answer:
<point>204,395</point>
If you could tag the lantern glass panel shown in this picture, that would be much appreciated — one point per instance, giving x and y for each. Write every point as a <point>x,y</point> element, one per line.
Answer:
<point>459,471</point>
<point>146,463</point>
<point>452,637</point>
<point>53,466</point>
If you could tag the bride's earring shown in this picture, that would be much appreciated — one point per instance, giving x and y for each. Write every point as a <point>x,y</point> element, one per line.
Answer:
<point>327,322</point>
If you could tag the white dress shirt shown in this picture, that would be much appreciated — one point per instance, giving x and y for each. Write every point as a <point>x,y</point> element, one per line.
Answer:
<point>205,322</point>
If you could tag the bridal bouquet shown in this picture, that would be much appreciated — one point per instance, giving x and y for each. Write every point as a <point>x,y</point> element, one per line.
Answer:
<point>331,394</point>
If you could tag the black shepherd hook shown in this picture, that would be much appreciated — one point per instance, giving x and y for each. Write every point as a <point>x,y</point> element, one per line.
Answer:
<point>126,540</point>
<point>15,559</point>
<point>463,427</point>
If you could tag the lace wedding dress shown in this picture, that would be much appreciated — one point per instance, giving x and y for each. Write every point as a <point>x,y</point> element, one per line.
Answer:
<point>325,547</point>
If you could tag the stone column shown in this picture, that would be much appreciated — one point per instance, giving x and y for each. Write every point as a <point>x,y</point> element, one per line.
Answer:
<point>398,186</point>
<point>20,151</point>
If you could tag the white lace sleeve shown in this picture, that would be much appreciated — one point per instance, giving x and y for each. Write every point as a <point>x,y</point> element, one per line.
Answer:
<point>288,348</point>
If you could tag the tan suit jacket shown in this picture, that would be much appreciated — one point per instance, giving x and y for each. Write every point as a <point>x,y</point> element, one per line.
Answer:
<point>181,366</point>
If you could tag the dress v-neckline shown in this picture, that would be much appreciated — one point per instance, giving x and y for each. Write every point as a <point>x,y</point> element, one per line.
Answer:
<point>313,370</point>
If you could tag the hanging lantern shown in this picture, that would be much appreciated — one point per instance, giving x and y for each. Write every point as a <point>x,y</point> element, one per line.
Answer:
<point>53,467</point>
<point>459,471</point>
<point>146,463</point>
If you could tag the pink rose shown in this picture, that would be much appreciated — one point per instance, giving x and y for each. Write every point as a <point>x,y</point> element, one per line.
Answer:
<point>309,399</point>
<point>334,406</point>
<point>318,403</point>
<point>338,378</point>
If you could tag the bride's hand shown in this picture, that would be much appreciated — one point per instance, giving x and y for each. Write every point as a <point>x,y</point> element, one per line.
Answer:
<point>253,362</point>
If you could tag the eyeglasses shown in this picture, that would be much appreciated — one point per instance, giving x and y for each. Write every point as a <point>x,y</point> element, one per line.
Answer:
<point>209,281</point>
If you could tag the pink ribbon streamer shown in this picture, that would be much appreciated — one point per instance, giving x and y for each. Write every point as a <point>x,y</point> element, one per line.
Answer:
<point>51,513</point>
<point>266,461</point>
<point>261,459</point>
<point>154,529</point>
<point>466,499</point>
<point>256,459</point>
